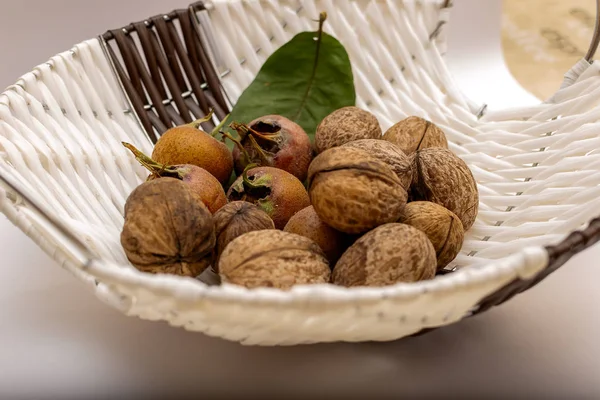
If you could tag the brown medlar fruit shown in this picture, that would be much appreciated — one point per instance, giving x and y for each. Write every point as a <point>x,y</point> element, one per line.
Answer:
<point>167,230</point>
<point>307,223</point>
<point>415,133</point>
<point>272,141</point>
<point>388,153</point>
<point>236,218</point>
<point>188,144</point>
<point>273,258</point>
<point>201,182</point>
<point>352,191</point>
<point>443,178</point>
<point>345,125</point>
<point>442,227</point>
<point>388,254</point>
<point>278,193</point>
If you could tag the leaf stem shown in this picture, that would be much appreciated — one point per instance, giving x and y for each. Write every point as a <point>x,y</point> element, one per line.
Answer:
<point>322,18</point>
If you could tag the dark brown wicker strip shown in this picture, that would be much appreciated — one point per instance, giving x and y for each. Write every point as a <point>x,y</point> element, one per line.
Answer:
<point>166,72</point>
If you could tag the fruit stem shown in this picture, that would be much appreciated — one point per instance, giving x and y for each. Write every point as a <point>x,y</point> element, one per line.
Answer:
<point>150,164</point>
<point>247,182</point>
<point>261,153</point>
<point>243,130</point>
<point>218,127</point>
<point>238,143</point>
<point>196,124</point>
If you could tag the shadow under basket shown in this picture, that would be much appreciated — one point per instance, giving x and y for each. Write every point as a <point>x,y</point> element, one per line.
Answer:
<point>65,175</point>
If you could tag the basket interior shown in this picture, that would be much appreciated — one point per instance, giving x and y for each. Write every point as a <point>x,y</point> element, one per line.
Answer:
<point>537,168</point>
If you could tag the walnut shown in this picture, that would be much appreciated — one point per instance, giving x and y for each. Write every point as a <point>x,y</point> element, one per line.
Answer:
<point>352,191</point>
<point>345,125</point>
<point>443,178</point>
<point>390,154</point>
<point>307,223</point>
<point>415,133</point>
<point>442,227</point>
<point>236,218</point>
<point>388,254</point>
<point>273,258</point>
<point>167,229</point>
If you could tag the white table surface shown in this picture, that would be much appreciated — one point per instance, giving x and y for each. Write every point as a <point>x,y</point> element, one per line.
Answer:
<point>58,341</point>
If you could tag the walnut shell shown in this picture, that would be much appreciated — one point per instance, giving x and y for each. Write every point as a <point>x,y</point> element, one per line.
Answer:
<point>345,125</point>
<point>236,218</point>
<point>307,223</point>
<point>442,227</point>
<point>415,133</point>
<point>273,258</point>
<point>353,191</point>
<point>390,154</point>
<point>388,254</point>
<point>443,178</point>
<point>167,229</point>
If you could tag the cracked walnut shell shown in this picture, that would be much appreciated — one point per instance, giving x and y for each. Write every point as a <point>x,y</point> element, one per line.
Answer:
<point>307,223</point>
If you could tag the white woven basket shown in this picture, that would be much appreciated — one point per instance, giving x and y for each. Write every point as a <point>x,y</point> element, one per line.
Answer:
<point>66,176</point>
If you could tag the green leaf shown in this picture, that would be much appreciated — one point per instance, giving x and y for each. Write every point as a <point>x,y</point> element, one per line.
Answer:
<point>304,80</point>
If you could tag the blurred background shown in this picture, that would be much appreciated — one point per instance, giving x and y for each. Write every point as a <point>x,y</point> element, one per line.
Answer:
<point>542,39</point>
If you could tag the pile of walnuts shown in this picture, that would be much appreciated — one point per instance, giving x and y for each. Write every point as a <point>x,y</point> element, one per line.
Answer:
<point>358,207</point>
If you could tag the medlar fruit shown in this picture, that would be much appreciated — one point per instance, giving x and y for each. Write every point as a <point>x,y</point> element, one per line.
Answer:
<point>200,181</point>
<point>307,223</point>
<point>278,193</point>
<point>272,141</point>
<point>188,144</point>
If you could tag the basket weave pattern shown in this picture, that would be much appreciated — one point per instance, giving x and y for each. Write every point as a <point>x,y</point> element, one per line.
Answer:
<point>68,176</point>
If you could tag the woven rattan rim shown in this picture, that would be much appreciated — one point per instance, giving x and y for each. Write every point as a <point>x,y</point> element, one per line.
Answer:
<point>194,84</point>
